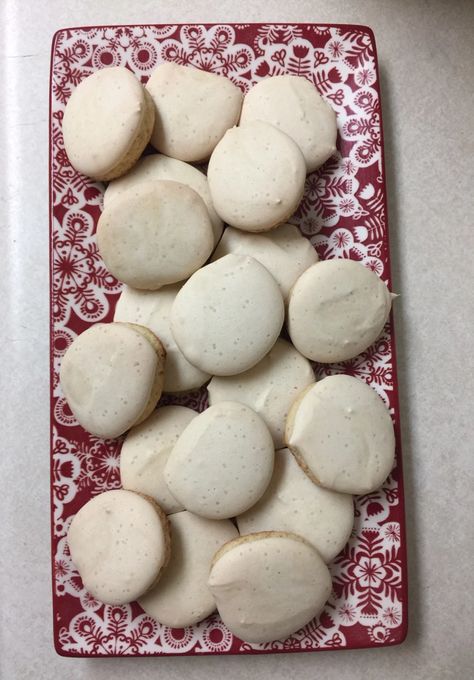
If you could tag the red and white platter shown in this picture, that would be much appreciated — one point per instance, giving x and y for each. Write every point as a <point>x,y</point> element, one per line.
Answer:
<point>343,213</point>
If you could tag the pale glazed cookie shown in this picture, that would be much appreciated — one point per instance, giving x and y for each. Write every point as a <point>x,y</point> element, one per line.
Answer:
<point>294,106</point>
<point>156,233</point>
<point>269,388</point>
<point>107,123</point>
<point>146,450</point>
<point>193,109</point>
<point>268,585</point>
<point>283,251</point>
<point>228,315</point>
<point>152,308</point>
<point>120,543</point>
<point>341,433</point>
<point>292,502</point>
<point>337,308</point>
<point>182,597</point>
<point>222,463</point>
<point>256,176</point>
<point>112,377</point>
<point>156,166</point>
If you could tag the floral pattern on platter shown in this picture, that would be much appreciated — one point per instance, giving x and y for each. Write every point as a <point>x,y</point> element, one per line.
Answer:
<point>342,212</point>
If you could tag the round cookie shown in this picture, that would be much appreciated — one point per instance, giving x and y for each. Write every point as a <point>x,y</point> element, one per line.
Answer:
<point>228,315</point>
<point>341,433</point>
<point>268,585</point>
<point>107,123</point>
<point>156,167</point>
<point>193,109</point>
<point>112,377</point>
<point>222,462</point>
<point>156,233</point>
<point>269,388</point>
<point>146,450</point>
<point>283,251</point>
<point>120,543</point>
<point>337,308</point>
<point>292,502</point>
<point>256,176</point>
<point>294,106</point>
<point>182,597</point>
<point>152,308</point>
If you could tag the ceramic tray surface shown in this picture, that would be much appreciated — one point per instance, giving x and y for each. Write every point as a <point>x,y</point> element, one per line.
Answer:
<point>343,213</point>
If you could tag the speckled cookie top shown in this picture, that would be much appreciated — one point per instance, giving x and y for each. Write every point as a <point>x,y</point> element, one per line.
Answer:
<point>119,544</point>
<point>108,375</point>
<point>294,106</point>
<point>157,166</point>
<point>194,108</point>
<point>256,176</point>
<point>102,119</point>
<point>156,233</point>
<point>228,315</point>
<point>222,462</point>
<point>342,434</point>
<point>337,308</point>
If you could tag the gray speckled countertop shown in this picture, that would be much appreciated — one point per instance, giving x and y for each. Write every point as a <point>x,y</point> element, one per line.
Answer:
<point>427,68</point>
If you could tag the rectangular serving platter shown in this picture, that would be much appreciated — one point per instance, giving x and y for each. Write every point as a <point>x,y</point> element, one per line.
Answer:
<point>343,213</point>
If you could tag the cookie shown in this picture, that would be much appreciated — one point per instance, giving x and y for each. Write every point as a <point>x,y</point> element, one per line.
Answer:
<point>294,106</point>
<point>222,462</point>
<point>337,308</point>
<point>268,585</point>
<point>107,123</point>
<point>283,251</point>
<point>292,502</point>
<point>112,377</point>
<point>341,433</point>
<point>182,597</point>
<point>269,388</point>
<point>152,308</point>
<point>256,177</point>
<point>156,233</point>
<point>119,542</point>
<point>156,167</point>
<point>146,450</point>
<point>228,315</point>
<point>193,109</point>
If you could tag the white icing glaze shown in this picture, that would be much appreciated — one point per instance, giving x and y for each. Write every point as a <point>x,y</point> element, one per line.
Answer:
<point>342,432</point>
<point>156,166</point>
<point>146,450</point>
<point>102,118</point>
<point>283,251</point>
<point>152,308</point>
<point>156,233</point>
<point>182,597</point>
<point>269,388</point>
<point>268,586</point>
<point>193,110</point>
<point>256,176</point>
<point>222,462</point>
<point>337,308</point>
<point>107,376</point>
<point>228,315</point>
<point>294,106</point>
<point>292,502</point>
<point>118,544</point>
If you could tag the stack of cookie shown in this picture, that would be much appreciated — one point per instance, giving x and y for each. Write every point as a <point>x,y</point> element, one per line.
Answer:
<point>241,506</point>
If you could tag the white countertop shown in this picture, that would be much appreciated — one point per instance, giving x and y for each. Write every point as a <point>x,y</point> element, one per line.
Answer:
<point>426,58</point>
